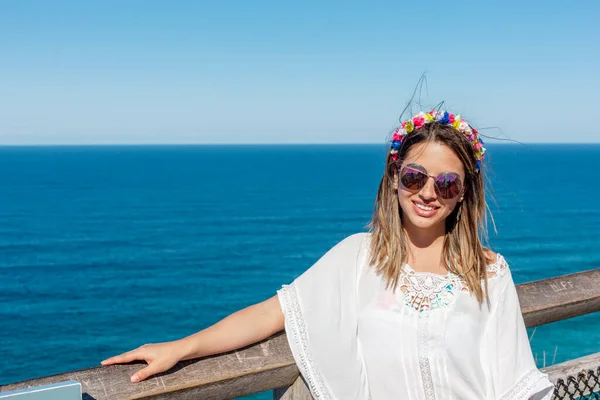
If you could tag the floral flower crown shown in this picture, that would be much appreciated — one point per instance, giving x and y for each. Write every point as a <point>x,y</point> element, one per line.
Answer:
<point>441,117</point>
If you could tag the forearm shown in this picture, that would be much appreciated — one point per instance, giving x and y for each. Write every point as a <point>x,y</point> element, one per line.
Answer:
<point>239,329</point>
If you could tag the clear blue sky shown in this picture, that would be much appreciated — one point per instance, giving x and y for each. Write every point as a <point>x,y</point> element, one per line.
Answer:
<point>287,72</point>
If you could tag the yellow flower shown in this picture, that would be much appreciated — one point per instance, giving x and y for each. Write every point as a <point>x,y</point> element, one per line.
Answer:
<point>409,126</point>
<point>429,117</point>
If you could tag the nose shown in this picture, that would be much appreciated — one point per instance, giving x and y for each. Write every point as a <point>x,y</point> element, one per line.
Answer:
<point>428,191</point>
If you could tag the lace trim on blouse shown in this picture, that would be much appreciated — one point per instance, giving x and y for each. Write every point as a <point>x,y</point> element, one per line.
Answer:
<point>298,332</point>
<point>423,351</point>
<point>423,291</point>
<point>521,391</point>
<point>498,269</point>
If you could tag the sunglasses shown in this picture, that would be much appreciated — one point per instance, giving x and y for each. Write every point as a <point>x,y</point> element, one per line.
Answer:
<point>447,184</point>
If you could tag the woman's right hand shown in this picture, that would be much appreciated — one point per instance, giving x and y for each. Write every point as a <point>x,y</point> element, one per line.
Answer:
<point>240,329</point>
<point>160,357</point>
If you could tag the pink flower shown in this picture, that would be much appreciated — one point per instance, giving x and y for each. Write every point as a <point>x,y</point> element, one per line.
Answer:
<point>404,125</point>
<point>451,118</point>
<point>395,157</point>
<point>418,122</point>
<point>477,146</point>
<point>396,136</point>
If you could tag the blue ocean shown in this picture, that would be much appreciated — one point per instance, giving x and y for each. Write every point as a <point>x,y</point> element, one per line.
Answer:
<point>105,248</point>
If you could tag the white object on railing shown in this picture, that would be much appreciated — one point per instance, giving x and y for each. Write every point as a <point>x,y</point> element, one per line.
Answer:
<point>69,390</point>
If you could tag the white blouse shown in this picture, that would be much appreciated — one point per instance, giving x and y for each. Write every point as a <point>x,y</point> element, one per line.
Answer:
<point>430,339</point>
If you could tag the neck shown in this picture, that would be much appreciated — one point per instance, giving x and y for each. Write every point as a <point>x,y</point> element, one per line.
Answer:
<point>423,238</point>
<point>427,243</point>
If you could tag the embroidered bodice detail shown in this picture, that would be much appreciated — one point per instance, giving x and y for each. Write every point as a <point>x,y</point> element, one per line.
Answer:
<point>425,291</point>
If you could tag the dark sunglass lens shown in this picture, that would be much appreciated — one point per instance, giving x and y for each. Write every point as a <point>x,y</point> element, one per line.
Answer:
<point>412,179</point>
<point>448,185</point>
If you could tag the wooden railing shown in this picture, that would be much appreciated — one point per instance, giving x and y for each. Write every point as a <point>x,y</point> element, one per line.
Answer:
<point>270,365</point>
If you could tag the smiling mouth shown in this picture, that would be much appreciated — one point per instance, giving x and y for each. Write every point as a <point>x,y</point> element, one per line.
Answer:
<point>424,207</point>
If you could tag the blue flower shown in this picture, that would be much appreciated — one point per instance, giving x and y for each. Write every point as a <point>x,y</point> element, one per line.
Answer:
<point>445,119</point>
<point>478,165</point>
<point>396,144</point>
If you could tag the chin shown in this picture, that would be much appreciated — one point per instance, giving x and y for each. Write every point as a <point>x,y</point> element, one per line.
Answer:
<point>424,223</point>
<point>421,222</point>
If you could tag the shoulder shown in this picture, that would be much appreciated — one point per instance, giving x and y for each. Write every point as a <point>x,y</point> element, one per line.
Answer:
<point>359,237</point>
<point>350,247</point>
<point>499,278</point>
<point>338,264</point>
<point>355,242</point>
<point>496,264</point>
<point>356,246</point>
<point>490,255</point>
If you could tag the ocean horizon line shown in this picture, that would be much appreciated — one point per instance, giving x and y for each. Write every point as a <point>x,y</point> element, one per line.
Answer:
<point>270,144</point>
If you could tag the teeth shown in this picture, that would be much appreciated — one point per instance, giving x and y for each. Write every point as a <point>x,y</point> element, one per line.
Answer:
<point>424,207</point>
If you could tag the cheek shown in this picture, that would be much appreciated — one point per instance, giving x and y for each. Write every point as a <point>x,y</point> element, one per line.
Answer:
<point>450,207</point>
<point>404,200</point>
<point>403,196</point>
<point>451,204</point>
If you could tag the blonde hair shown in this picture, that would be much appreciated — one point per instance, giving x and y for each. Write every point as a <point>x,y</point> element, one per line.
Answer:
<point>463,251</point>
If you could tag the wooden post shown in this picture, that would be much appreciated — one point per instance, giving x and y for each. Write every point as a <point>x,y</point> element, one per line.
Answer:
<point>298,391</point>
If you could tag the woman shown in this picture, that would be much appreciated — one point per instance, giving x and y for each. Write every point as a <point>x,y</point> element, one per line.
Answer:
<point>415,309</point>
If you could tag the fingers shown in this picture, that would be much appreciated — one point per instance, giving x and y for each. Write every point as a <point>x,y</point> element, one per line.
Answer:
<point>145,373</point>
<point>123,358</point>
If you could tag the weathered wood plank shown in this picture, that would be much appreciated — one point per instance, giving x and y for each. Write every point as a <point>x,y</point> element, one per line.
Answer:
<point>559,298</point>
<point>261,367</point>
<point>572,367</point>
<point>298,391</point>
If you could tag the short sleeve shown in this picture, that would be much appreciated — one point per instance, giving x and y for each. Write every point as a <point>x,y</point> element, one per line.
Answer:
<point>511,372</point>
<point>321,323</point>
